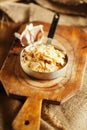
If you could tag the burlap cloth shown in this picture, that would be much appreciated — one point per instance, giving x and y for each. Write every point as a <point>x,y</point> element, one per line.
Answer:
<point>69,115</point>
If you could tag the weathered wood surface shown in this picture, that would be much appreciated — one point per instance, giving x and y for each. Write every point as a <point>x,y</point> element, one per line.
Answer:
<point>29,116</point>
<point>16,82</point>
<point>7,30</point>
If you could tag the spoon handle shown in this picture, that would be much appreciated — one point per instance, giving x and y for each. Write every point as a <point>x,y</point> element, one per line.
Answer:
<point>53,25</point>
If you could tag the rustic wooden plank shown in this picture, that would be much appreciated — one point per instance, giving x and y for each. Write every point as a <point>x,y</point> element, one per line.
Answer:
<point>7,30</point>
<point>29,116</point>
<point>16,82</point>
<point>74,40</point>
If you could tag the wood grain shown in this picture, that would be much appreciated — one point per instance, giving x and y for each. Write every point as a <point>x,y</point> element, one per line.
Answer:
<point>7,30</point>
<point>29,117</point>
<point>16,82</point>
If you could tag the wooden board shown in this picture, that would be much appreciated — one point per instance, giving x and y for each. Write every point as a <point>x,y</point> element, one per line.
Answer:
<point>6,37</point>
<point>16,82</point>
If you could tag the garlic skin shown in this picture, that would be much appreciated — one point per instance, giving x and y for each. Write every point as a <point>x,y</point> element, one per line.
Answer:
<point>30,34</point>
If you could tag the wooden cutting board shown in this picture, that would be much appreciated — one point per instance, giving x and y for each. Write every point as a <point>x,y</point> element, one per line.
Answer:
<point>17,83</point>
